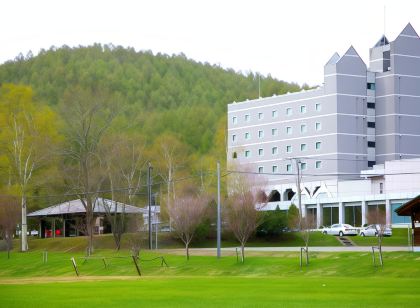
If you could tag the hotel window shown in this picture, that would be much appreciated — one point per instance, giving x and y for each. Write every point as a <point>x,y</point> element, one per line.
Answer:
<point>260,134</point>
<point>274,113</point>
<point>288,149</point>
<point>274,131</point>
<point>247,136</point>
<point>288,130</point>
<point>318,107</point>
<point>247,117</point>
<point>233,138</point>
<point>289,111</point>
<point>318,145</point>
<point>370,86</point>
<point>247,153</point>
<point>303,128</point>
<point>234,120</point>
<point>302,166</point>
<point>317,126</point>
<point>303,147</point>
<point>274,150</point>
<point>260,152</point>
<point>303,109</point>
<point>260,169</point>
<point>274,169</point>
<point>318,164</point>
<point>289,167</point>
<point>260,116</point>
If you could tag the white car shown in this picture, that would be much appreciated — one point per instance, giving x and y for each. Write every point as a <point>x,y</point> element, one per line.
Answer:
<point>340,230</point>
<point>373,230</point>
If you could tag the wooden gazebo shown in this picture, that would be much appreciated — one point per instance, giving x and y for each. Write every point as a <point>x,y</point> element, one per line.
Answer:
<point>412,209</point>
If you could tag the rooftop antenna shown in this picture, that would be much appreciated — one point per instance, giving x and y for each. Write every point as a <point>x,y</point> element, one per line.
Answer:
<point>384,19</point>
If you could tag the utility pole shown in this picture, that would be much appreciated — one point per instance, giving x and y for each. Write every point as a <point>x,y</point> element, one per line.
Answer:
<point>149,196</point>
<point>219,219</point>
<point>299,192</point>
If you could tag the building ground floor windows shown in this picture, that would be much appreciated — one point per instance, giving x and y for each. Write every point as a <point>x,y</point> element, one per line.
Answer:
<point>331,211</point>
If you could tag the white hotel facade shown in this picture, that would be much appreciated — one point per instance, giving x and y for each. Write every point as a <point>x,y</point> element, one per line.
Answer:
<point>356,138</point>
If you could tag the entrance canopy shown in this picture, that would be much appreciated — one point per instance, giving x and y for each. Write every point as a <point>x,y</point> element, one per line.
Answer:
<point>101,206</point>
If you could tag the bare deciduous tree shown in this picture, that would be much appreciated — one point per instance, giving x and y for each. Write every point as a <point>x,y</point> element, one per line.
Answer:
<point>124,160</point>
<point>377,217</point>
<point>88,115</point>
<point>9,217</point>
<point>135,234</point>
<point>172,155</point>
<point>186,213</point>
<point>304,225</point>
<point>245,198</point>
<point>307,224</point>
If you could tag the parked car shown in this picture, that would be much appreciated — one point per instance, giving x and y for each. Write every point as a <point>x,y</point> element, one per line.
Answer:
<point>373,230</point>
<point>340,230</point>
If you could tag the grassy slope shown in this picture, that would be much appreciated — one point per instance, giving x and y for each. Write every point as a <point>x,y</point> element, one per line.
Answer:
<point>167,240</point>
<point>398,238</point>
<point>273,279</point>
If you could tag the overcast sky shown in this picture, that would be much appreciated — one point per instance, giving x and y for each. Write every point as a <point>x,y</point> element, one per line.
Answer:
<point>291,40</point>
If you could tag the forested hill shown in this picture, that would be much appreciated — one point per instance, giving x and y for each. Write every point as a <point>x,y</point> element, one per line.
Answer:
<point>159,93</point>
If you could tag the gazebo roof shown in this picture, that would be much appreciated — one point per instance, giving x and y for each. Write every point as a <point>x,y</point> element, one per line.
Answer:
<point>411,206</point>
<point>76,207</point>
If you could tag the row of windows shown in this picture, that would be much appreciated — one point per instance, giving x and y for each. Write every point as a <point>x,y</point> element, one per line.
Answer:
<point>274,131</point>
<point>275,114</point>
<point>289,149</point>
<point>289,167</point>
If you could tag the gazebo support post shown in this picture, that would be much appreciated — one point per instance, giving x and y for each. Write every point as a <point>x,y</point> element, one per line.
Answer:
<point>40,228</point>
<point>64,227</point>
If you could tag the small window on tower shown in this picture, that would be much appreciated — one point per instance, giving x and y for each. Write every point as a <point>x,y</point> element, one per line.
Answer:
<point>370,86</point>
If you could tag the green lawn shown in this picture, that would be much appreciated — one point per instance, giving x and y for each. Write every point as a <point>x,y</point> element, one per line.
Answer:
<point>217,292</point>
<point>271,279</point>
<point>399,238</point>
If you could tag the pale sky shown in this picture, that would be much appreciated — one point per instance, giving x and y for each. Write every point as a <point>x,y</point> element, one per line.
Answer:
<point>291,40</point>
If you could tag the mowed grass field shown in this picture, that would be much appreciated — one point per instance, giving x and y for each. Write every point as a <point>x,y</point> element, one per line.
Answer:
<point>266,279</point>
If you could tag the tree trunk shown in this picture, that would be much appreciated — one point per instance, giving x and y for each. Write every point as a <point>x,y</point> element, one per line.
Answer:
<point>24,226</point>
<point>242,252</point>
<point>89,226</point>
<point>187,250</point>
<point>8,243</point>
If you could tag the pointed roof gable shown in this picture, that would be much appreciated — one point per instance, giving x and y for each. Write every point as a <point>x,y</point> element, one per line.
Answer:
<point>382,41</point>
<point>409,31</point>
<point>351,52</point>
<point>334,59</point>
